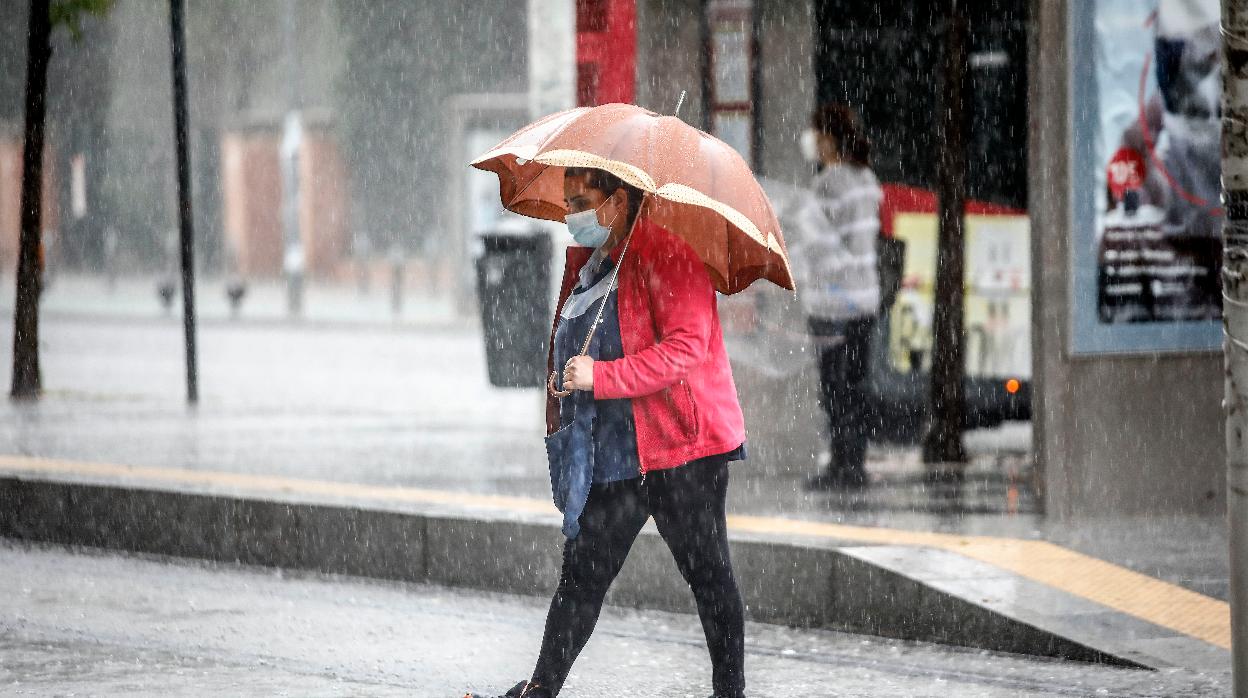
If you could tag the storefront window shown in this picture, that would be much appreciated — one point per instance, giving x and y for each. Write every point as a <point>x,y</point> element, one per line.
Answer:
<point>731,101</point>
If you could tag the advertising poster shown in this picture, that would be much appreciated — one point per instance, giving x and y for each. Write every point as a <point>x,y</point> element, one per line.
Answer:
<point>1146,252</point>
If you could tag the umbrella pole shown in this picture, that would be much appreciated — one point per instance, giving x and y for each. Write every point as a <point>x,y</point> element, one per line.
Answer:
<point>615,273</point>
<point>589,336</point>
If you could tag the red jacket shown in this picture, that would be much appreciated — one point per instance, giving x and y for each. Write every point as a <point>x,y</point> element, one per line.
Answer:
<point>675,368</point>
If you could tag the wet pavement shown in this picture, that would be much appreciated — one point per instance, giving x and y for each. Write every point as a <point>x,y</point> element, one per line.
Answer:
<point>84,623</point>
<point>359,400</point>
<point>264,301</point>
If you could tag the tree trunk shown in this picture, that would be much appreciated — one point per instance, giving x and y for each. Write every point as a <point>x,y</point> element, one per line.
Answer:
<point>1235,318</point>
<point>26,379</point>
<point>943,442</point>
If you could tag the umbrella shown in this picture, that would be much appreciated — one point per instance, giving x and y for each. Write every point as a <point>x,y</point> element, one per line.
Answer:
<point>697,186</point>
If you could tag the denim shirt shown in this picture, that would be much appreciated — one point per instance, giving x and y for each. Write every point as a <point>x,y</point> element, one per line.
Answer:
<point>614,435</point>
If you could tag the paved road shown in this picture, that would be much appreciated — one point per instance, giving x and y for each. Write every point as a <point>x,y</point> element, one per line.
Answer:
<point>86,623</point>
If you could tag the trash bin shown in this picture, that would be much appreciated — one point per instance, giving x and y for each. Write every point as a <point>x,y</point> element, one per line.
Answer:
<point>513,284</point>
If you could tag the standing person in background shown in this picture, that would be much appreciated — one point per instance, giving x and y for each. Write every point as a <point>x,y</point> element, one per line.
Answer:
<point>841,295</point>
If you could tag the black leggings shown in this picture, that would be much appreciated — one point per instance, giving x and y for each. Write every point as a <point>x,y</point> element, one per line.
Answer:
<point>688,507</point>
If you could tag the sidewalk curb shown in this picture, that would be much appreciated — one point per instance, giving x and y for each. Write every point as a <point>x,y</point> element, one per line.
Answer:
<point>879,590</point>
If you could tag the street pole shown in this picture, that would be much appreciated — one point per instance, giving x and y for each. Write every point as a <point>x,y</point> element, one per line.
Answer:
<point>1235,318</point>
<point>177,41</point>
<point>943,442</point>
<point>293,257</point>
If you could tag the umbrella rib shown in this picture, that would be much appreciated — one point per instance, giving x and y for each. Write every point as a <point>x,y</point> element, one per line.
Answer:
<point>559,131</point>
<point>535,177</point>
<point>624,127</point>
<point>545,142</point>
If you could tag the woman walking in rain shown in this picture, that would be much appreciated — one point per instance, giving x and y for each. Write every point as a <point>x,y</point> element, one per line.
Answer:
<point>667,424</point>
<point>642,412</point>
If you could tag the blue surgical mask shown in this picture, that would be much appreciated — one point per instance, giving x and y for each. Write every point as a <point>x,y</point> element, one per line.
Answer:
<point>586,229</point>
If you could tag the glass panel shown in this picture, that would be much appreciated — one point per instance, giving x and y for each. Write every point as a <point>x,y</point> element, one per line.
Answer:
<point>731,56</point>
<point>733,128</point>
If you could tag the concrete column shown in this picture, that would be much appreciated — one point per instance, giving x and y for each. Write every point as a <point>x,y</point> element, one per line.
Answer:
<point>1139,434</point>
<point>668,50</point>
<point>1049,162</point>
<point>552,56</point>
<point>786,50</point>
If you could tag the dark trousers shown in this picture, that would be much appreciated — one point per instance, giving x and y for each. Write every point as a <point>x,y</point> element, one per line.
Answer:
<point>687,504</point>
<point>844,366</point>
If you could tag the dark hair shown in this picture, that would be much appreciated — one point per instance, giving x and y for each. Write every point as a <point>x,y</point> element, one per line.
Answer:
<point>840,122</point>
<point>607,183</point>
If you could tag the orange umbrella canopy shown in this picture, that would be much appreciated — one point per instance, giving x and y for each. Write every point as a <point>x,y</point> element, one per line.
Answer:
<point>701,188</point>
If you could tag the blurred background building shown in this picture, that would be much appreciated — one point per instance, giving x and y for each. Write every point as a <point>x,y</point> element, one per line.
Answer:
<point>374,80</point>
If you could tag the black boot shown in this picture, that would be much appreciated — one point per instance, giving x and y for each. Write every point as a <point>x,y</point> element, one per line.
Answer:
<point>520,690</point>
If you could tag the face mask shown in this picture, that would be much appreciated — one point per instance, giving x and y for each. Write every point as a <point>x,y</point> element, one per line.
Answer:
<point>586,229</point>
<point>808,143</point>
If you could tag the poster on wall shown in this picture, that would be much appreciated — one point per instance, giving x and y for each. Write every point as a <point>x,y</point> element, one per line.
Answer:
<point>1146,252</point>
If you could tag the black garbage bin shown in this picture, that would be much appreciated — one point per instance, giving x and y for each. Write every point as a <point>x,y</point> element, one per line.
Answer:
<point>513,284</point>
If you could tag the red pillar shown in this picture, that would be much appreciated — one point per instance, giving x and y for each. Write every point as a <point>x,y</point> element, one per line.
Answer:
<point>606,51</point>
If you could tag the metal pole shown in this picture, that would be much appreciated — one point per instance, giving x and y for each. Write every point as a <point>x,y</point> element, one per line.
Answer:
<point>177,40</point>
<point>292,143</point>
<point>1235,319</point>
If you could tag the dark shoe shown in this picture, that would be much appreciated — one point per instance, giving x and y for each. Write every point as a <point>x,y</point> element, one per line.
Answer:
<point>840,479</point>
<point>520,690</point>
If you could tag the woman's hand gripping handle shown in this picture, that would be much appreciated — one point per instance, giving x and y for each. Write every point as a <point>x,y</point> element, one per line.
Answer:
<point>578,374</point>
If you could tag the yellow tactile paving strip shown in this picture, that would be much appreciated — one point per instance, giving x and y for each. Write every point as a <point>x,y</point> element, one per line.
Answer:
<point>1121,589</point>
<point>1139,595</point>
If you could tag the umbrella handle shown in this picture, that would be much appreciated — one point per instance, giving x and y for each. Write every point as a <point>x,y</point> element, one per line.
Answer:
<point>550,387</point>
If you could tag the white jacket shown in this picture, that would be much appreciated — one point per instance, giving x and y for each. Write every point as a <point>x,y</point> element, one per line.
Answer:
<point>832,244</point>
